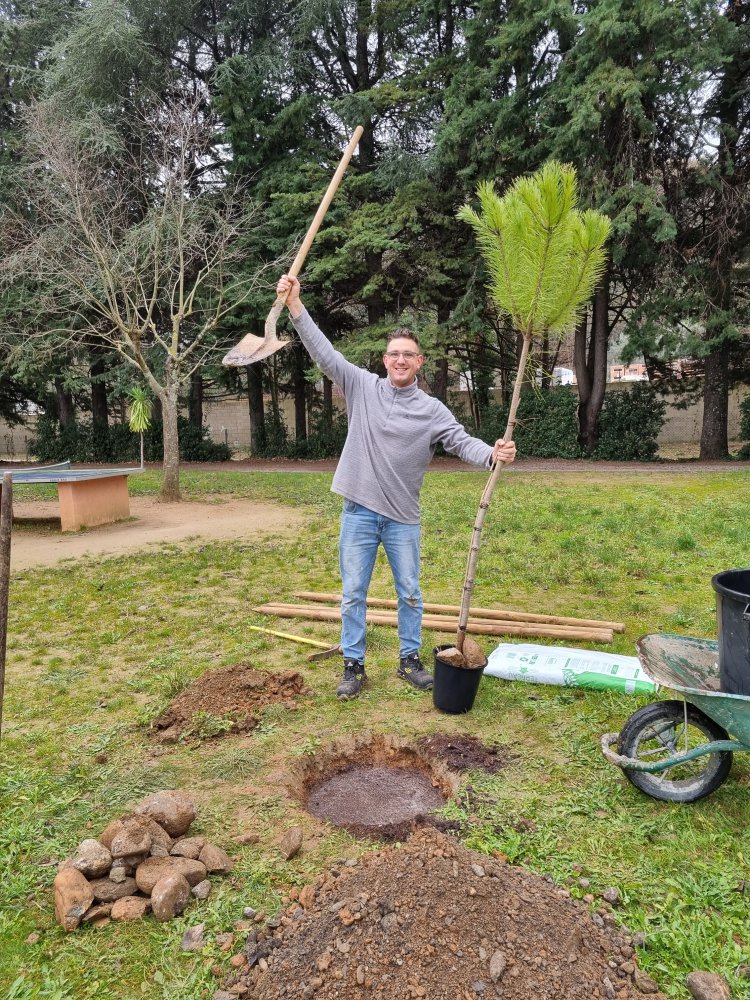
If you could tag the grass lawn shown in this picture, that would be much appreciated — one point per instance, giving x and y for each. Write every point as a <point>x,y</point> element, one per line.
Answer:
<point>97,648</point>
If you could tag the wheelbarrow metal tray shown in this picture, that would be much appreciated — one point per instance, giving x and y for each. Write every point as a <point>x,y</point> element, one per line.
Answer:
<point>690,666</point>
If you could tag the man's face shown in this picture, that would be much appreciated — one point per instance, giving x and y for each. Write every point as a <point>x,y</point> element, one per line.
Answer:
<point>402,361</point>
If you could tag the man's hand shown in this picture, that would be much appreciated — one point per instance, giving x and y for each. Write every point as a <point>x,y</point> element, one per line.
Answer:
<point>293,301</point>
<point>504,451</point>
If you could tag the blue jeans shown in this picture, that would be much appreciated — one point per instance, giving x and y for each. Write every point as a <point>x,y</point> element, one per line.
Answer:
<point>362,530</point>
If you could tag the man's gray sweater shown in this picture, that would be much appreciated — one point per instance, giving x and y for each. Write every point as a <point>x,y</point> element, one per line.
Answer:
<point>392,434</point>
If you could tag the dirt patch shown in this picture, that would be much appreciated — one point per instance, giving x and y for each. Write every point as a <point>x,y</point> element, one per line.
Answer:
<point>465,753</point>
<point>228,700</point>
<point>373,786</point>
<point>38,540</point>
<point>374,797</point>
<point>433,919</point>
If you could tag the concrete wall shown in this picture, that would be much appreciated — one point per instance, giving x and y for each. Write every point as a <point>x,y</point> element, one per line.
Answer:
<point>228,421</point>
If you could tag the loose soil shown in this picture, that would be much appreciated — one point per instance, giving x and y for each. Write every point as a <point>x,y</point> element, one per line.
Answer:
<point>374,796</point>
<point>466,753</point>
<point>374,786</point>
<point>433,919</point>
<point>38,541</point>
<point>236,695</point>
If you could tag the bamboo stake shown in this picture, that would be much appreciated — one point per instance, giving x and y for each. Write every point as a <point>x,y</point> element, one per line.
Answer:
<point>6,525</point>
<point>500,613</point>
<point>288,635</point>
<point>484,503</point>
<point>441,623</point>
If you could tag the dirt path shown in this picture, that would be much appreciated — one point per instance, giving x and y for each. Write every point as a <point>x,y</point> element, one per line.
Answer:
<point>38,541</point>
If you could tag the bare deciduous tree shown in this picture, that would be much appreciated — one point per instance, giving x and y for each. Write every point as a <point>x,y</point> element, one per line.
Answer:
<point>140,242</point>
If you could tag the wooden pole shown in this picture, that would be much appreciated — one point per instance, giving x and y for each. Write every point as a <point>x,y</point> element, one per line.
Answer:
<point>500,613</point>
<point>471,563</point>
<point>444,623</point>
<point>6,525</point>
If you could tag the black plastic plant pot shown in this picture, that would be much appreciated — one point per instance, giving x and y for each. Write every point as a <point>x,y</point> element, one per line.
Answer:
<point>733,628</point>
<point>454,688</point>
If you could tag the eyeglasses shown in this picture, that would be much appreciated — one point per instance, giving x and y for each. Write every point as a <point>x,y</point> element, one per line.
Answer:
<point>406,355</point>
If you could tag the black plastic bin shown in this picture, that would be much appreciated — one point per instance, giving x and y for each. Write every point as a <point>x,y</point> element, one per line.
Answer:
<point>733,625</point>
<point>454,688</point>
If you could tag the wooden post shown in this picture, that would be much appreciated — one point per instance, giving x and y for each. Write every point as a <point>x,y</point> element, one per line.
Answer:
<point>6,524</point>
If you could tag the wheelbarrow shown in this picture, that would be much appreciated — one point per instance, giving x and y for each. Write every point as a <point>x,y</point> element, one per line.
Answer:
<point>680,751</point>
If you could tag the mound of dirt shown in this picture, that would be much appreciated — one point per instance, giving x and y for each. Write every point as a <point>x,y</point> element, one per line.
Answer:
<point>226,700</point>
<point>465,753</point>
<point>433,919</point>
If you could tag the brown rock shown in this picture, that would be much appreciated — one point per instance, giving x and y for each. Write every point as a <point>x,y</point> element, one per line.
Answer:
<point>108,833</point>
<point>131,838</point>
<point>707,986</point>
<point>216,860</point>
<point>130,908</point>
<point>97,912</point>
<point>171,810</point>
<point>107,891</point>
<point>307,896</point>
<point>158,834</point>
<point>152,870</point>
<point>92,859</point>
<point>33,938</point>
<point>247,838</point>
<point>202,890</point>
<point>170,896</point>
<point>291,842</point>
<point>188,847</point>
<point>120,871</point>
<point>73,896</point>
<point>644,983</point>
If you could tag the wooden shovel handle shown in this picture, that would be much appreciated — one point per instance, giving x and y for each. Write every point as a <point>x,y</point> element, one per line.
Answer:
<point>299,260</point>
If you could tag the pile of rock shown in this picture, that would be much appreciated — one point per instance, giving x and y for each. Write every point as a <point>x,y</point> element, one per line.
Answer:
<point>141,862</point>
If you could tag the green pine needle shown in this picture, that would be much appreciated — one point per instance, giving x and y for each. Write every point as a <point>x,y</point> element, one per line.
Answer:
<point>544,256</point>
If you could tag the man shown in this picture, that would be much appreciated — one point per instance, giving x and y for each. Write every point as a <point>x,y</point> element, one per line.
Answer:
<point>394,428</point>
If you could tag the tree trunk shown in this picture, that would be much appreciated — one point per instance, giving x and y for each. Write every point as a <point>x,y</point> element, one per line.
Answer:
<point>170,484</point>
<point>99,404</point>
<point>99,407</point>
<point>440,381</point>
<point>65,408</point>
<point>327,404</point>
<point>255,405</point>
<point>590,363</point>
<point>299,385</point>
<point>723,222</point>
<point>714,431</point>
<point>195,400</point>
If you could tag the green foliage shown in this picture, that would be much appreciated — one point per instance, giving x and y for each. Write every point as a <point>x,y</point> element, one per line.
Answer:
<point>324,440</point>
<point>630,423</point>
<point>744,451</point>
<point>83,441</point>
<point>140,410</point>
<point>543,256</point>
<point>547,426</point>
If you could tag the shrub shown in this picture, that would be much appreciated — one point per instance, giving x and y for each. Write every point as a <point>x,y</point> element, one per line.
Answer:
<point>82,442</point>
<point>744,451</point>
<point>323,441</point>
<point>546,427</point>
<point>629,424</point>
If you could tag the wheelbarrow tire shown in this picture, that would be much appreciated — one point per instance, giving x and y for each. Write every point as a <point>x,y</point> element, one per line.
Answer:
<point>713,769</point>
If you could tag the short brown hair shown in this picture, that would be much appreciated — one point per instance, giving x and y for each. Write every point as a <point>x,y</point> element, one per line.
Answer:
<point>403,332</point>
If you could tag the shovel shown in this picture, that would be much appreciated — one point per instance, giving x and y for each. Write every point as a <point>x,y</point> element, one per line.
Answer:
<point>251,348</point>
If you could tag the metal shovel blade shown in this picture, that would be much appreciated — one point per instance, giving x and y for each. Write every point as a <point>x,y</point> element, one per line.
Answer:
<point>251,348</point>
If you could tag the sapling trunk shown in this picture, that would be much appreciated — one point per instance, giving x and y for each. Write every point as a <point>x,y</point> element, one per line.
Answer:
<point>484,503</point>
<point>6,524</point>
